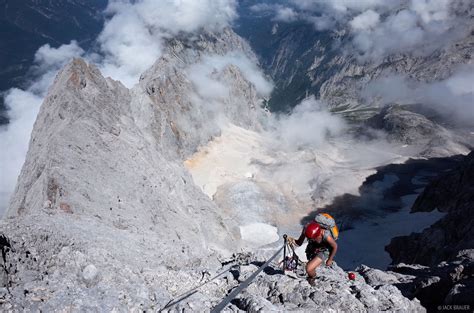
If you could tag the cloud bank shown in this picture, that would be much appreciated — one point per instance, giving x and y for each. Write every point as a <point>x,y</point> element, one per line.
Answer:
<point>309,125</point>
<point>452,97</point>
<point>133,37</point>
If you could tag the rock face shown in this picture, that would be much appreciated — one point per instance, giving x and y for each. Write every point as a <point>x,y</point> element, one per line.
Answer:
<point>46,285</point>
<point>447,283</point>
<point>452,193</point>
<point>404,124</point>
<point>85,136</point>
<point>185,115</point>
<point>333,291</point>
<point>444,250</point>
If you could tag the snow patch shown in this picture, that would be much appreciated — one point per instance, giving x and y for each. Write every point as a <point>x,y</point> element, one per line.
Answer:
<point>259,233</point>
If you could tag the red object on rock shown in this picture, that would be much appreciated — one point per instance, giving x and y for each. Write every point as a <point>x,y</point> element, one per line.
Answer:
<point>352,276</point>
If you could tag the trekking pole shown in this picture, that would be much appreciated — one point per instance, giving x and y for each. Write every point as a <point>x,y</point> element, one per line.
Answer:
<point>285,237</point>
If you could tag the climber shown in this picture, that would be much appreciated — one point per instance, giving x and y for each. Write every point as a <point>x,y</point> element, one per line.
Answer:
<point>321,246</point>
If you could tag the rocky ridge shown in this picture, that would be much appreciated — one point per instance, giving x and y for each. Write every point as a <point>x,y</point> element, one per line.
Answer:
<point>333,292</point>
<point>407,125</point>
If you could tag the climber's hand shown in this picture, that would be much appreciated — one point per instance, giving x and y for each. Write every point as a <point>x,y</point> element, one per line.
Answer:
<point>329,262</point>
<point>291,241</point>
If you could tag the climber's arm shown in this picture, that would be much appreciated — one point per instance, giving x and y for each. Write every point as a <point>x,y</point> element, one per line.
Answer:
<point>300,240</point>
<point>333,245</point>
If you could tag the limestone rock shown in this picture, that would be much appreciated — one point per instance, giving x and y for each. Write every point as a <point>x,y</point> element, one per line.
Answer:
<point>333,291</point>
<point>446,283</point>
<point>404,124</point>
<point>90,275</point>
<point>106,218</point>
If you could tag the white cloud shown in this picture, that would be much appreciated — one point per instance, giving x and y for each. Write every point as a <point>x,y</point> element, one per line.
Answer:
<point>419,29</point>
<point>47,57</point>
<point>284,14</point>
<point>133,38</point>
<point>431,10</point>
<point>281,13</point>
<point>452,97</point>
<point>309,125</point>
<point>398,33</point>
<point>367,20</point>
<point>207,86</point>
<point>200,73</point>
<point>128,45</point>
<point>341,6</point>
<point>462,82</point>
<point>175,16</point>
<point>212,91</point>
<point>336,14</point>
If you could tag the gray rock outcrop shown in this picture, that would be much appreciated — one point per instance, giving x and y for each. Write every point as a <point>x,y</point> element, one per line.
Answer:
<point>444,250</point>
<point>274,291</point>
<point>452,193</point>
<point>445,284</point>
<point>333,292</point>
<point>405,125</point>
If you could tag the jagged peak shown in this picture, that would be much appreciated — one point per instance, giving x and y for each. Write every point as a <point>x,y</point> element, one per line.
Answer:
<point>79,75</point>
